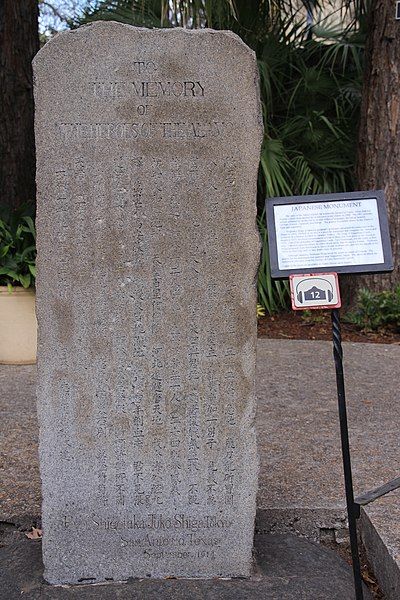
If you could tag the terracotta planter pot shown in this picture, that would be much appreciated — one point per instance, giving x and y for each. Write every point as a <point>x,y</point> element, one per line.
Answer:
<point>17,326</point>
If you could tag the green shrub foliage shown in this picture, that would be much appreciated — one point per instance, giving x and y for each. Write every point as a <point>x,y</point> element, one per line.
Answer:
<point>17,248</point>
<point>376,310</point>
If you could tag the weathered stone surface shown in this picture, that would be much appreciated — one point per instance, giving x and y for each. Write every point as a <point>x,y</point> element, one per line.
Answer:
<point>147,153</point>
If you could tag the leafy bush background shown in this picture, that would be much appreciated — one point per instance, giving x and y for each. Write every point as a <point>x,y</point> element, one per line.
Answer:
<point>17,248</point>
<point>376,310</point>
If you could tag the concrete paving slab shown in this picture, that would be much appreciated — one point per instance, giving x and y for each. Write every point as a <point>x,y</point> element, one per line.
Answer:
<point>286,568</point>
<point>20,496</point>
<point>301,479</point>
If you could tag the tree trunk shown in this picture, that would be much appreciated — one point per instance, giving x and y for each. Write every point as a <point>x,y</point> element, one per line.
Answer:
<point>378,161</point>
<point>19,42</point>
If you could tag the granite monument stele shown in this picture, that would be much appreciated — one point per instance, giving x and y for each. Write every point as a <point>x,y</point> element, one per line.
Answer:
<point>148,145</point>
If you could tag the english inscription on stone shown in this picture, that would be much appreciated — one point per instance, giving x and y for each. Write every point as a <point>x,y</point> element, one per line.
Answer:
<point>148,144</point>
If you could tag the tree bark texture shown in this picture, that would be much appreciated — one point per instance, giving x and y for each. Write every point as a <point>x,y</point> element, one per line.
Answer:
<point>378,164</point>
<point>19,42</point>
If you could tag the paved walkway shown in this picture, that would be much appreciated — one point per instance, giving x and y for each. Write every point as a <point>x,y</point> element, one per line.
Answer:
<point>301,486</point>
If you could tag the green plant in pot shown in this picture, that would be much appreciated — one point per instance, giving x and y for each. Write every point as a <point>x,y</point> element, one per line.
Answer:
<point>17,287</point>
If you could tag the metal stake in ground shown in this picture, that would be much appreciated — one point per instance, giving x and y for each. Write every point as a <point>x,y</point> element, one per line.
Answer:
<point>344,434</point>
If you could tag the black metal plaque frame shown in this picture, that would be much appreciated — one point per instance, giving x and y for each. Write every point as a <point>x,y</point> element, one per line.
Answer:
<point>379,195</point>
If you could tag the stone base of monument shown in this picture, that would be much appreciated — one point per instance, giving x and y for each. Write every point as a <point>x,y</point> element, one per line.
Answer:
<point>286,568</point>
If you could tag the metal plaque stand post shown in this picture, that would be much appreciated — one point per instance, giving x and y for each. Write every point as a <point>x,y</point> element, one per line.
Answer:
<point>344,434</point>
<point>314,285</point>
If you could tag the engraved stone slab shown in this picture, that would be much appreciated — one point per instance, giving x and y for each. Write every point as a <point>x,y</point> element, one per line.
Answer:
<point>147,153</point>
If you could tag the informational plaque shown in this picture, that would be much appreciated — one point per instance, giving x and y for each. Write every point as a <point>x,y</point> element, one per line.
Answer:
<point>344,233</point>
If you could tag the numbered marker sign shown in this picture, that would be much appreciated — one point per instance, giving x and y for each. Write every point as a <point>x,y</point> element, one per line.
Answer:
<point>320,290</point>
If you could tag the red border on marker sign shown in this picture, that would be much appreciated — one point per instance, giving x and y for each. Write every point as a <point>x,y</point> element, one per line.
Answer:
<point>293,279</point>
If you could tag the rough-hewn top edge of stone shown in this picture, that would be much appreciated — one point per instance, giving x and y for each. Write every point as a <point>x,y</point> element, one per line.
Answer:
<point>83,29</point>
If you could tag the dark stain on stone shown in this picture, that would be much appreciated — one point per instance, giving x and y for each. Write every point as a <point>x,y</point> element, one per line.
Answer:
<point>64,320</point>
